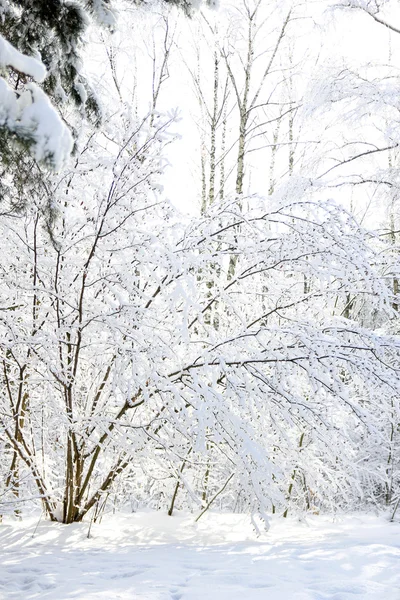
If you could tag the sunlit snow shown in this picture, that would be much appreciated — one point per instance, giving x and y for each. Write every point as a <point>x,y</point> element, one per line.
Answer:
<point>150,556</point>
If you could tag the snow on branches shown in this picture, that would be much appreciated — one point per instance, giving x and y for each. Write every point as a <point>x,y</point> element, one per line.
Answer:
<point>29,115</point>
<point>248,356</point>
<point>127,348</point>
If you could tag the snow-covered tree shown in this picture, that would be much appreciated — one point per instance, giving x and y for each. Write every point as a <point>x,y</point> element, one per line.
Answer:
<point>109,365</point>
<point>115,378</point>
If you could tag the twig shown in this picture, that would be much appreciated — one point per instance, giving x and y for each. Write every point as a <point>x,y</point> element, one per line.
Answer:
<point>214,497</point>
<point>395,510</point>
<point>37,524</point>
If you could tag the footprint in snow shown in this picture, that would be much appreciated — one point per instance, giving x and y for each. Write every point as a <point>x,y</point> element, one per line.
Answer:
<point>46,586</point>
<point>201,568</point>
<point>125,575</point>
<point>338,591</point>
<point>17,570</point>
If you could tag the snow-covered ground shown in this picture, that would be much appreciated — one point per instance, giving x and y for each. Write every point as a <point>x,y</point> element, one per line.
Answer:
<point>149,556</point>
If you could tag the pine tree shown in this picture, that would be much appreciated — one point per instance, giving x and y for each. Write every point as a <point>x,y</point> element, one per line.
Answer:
<point>42,71</point>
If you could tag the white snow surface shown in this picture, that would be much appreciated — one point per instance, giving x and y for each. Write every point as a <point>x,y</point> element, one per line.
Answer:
<point>150,556</point>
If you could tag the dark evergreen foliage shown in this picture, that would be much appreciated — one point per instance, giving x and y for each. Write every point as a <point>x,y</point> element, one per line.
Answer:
<point>53,31</point>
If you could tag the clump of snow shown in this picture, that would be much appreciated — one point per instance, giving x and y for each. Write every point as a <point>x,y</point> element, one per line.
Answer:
<point>53,139</point>
<point>31,115</point>
<point>11,57</point>
<point>104,14</point>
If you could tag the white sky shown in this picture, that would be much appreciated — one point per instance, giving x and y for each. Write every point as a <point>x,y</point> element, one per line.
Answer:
<point>348,38</point>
